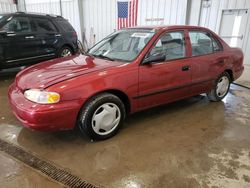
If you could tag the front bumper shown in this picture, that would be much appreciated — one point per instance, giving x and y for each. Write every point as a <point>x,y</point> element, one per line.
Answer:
<point>44,117</point>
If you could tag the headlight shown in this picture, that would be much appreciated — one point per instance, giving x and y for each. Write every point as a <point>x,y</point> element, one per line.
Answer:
<point>42,97</point>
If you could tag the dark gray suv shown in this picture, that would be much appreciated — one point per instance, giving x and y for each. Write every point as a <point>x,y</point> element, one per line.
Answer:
<point>31,38</point>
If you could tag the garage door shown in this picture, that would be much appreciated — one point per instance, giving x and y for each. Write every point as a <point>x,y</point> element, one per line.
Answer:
<point>233,27</point>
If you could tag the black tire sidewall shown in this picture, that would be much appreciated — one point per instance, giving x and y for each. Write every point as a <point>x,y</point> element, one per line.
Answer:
<point>85,118</point>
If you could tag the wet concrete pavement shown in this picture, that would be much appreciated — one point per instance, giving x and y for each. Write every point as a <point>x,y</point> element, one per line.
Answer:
<point>15,175</point>
<point>190,143</point>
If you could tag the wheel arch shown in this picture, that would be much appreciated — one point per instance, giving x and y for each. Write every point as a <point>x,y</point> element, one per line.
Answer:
<point>120,94</point>
<point>230,72</point>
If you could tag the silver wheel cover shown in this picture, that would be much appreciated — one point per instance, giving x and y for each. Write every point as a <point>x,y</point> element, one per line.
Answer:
<point>66,52</point>
<point>222,86</point>
<point>106,118</point>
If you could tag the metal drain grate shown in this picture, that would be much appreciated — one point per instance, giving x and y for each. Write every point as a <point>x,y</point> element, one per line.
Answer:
<point>60,175</point>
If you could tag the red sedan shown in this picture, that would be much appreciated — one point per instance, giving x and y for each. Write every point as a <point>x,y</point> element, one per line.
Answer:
<point>128,71</point>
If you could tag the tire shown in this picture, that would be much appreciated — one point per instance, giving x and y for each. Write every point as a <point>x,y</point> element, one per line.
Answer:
<point>102,116</point>
<point>65,51</point>
<point>221,88</point>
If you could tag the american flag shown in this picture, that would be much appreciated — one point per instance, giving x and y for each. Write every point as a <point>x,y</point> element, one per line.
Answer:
<point>127,13</point>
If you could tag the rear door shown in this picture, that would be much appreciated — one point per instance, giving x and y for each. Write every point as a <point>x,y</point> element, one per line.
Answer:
<point>207,60</point>
<point>20,42</point>
<point>168,80</point>
<point>49,36</point>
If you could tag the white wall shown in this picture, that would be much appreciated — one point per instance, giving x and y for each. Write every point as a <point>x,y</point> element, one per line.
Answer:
<point>7,6</point>
<point>208,14</point>
<point>172,12</point>
<point>43,6</point>
<point>100,16</point>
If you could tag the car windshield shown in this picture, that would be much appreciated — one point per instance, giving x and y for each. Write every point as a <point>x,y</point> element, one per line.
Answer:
<point>123,45</point>
<point>1,18</point>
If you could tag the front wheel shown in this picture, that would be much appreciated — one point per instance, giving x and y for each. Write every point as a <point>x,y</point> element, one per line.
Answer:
<point>221,88</point>
<point>102,116</point>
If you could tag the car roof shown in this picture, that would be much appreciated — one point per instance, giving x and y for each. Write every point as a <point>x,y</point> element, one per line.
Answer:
<point>33,14</point>
<point>164,27</point>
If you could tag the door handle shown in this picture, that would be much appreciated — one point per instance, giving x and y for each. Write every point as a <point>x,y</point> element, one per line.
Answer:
<point>29,37</point>
<point>11,34</point>
<point>186,68</point>
<point>58,35</point>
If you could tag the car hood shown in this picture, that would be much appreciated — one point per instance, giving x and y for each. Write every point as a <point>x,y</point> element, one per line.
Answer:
<point>48,73</point>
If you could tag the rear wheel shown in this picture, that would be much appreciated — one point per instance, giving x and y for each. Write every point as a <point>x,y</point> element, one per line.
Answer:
<point>221,88</point>
<point>65,52</point>
<point>102,116</point>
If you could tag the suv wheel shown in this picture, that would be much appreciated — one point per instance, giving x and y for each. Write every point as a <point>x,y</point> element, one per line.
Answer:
<point>65,52</point>
<point>102,116</point>
<point>221,88</point>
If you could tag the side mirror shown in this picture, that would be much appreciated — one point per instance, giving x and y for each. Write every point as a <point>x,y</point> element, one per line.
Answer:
<point>158,57</point>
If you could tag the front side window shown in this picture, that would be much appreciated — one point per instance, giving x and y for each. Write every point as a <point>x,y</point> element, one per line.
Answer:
<point>202,43</point>
<point>17,25</point>
<point>124,45</point>
<point>171,45</point>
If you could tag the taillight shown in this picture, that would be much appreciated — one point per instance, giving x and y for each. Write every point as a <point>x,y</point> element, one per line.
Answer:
<point>75,34</point>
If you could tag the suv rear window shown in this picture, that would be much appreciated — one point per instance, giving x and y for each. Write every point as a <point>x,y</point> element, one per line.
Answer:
<point>43,25</point>
<point>65,25</point>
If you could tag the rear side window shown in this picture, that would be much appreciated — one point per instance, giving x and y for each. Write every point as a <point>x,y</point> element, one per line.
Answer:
<point>17,25</point>
<point>43,25</point>
<point>65,26</point>
<point>202,43</point>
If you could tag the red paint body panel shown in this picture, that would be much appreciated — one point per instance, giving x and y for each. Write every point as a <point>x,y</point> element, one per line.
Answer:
<point>159,77</point>
<point>80,77</point>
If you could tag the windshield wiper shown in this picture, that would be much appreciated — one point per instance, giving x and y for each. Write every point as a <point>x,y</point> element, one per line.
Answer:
<point>104,57</point>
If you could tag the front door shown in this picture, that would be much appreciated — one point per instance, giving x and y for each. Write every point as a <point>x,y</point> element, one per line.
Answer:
<point>20,42</point>
<point>167,80</point>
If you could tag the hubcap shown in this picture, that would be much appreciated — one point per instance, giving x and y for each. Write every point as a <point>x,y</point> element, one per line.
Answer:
<point>222,86</point>
<point>65,53</point>
<point>106,118</point>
